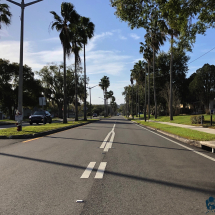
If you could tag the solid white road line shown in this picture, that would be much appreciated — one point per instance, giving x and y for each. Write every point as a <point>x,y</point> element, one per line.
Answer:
<point>105,140</point>
<point>88,170</point>
<point>100,171</point>
<point>109,144</point>
<point>208,157</point>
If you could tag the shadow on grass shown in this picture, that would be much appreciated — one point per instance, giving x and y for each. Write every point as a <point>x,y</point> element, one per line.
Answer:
<point>202,189</point>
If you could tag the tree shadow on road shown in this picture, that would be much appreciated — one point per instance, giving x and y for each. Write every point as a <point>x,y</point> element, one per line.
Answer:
<point>210,190</point>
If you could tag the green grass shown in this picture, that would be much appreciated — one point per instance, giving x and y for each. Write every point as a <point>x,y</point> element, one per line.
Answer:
<point>182,119</point>
<point>37,128</point>
<point>3,121</point>
<point>182,132</point>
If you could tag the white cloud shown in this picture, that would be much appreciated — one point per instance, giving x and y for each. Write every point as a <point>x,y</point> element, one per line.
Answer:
<point>122,37</point>
<point>134,36</point>
<point>110,62</point>
<point>10,50</point>
<point>52,39</point>
<point>92,43</point>
<point>4,33</point>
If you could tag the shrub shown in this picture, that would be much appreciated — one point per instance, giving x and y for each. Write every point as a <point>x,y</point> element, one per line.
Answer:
<point>196,119</point>
<point>207,111</point>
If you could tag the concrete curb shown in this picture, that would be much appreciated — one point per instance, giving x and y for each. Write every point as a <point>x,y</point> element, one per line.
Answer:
<point>195,143</point>
<point>41,134</point>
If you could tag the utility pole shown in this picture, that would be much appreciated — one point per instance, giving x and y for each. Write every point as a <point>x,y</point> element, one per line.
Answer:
<point>90,99</point>
<point>20,94</point>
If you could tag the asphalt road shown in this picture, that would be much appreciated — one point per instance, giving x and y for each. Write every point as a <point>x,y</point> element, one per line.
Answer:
<point>136,171</point>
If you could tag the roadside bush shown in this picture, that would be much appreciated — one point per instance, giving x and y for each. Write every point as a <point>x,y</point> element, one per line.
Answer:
<point>196,119</point>
<point>207,111</point>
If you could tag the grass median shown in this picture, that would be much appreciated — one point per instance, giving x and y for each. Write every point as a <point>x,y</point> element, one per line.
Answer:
<point>34,129</point>
<point>182,132</point>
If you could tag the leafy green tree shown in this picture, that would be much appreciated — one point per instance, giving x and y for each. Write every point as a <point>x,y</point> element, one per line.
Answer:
<point>174,19</point>
<point>69,16</point>
<point>180,68</point>
<point>104,84</point>
<point>88,32</point>
<point>53,83</point>
<point>32,88</point>
<point>203,84</point>
<point>5,15</point>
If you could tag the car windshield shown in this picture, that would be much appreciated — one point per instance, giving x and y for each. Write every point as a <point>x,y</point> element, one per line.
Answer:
<point>38,113</point>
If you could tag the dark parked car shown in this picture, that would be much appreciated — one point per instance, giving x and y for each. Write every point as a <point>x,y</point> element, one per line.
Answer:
<point>40,116</point>
<point>95,115</point>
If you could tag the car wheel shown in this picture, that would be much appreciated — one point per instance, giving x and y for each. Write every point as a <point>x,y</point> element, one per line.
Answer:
<point>50,121</point>
<point>45,120</point>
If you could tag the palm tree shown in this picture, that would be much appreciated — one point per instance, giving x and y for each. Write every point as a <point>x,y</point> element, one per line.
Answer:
<point>5,15</point>
<point>113,99</point>
<point>132,85</point>
<point>174,33</point>
<point>154,38</point>
<point>88,33</point>
<point>77,40</point>
<point>69,15</point>
<point>148,55</point>
<point>109,95</point>
<point>104,84</point>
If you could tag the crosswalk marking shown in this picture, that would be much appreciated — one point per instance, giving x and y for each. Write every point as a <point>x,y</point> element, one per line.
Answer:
<point>88,170</point>
<point>100,171</point>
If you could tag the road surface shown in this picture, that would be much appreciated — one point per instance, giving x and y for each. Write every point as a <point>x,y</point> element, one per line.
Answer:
<point>113,166</point>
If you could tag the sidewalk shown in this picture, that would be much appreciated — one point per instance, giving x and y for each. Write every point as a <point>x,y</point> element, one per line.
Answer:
<point>196,128</point>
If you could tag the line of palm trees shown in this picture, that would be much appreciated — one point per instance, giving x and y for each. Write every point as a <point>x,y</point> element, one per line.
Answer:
<point>156,34</point>
<point>75,30</point>
<point>104,84</point>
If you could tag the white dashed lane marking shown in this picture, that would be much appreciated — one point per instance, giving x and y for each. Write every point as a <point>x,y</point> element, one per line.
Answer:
<point>88,170</point>
<point>99,173</point>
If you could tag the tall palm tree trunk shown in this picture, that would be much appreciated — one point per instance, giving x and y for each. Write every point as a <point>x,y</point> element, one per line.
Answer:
<point>136,101</point>
<point>148,91</point>
<point>155,99</point>
<point>64,88</point>
<point>104,104</point>
<point>85,92</point>
<point>170,99</point>
<point>76,91</point>
<point>145,95</point>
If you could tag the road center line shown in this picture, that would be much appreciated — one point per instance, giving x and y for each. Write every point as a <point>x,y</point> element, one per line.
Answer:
<point>106,138</point>
<point>199,153</point>
<point>109,144</point>
<point>100,171</point>
<point>88,170</point>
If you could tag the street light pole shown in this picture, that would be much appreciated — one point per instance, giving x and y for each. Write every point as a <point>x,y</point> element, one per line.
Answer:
<point>90,99</point>
<point>20,94</point>
<point>90,105</point>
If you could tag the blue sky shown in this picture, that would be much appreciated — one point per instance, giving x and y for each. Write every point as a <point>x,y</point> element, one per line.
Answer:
<point>112,51</point>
